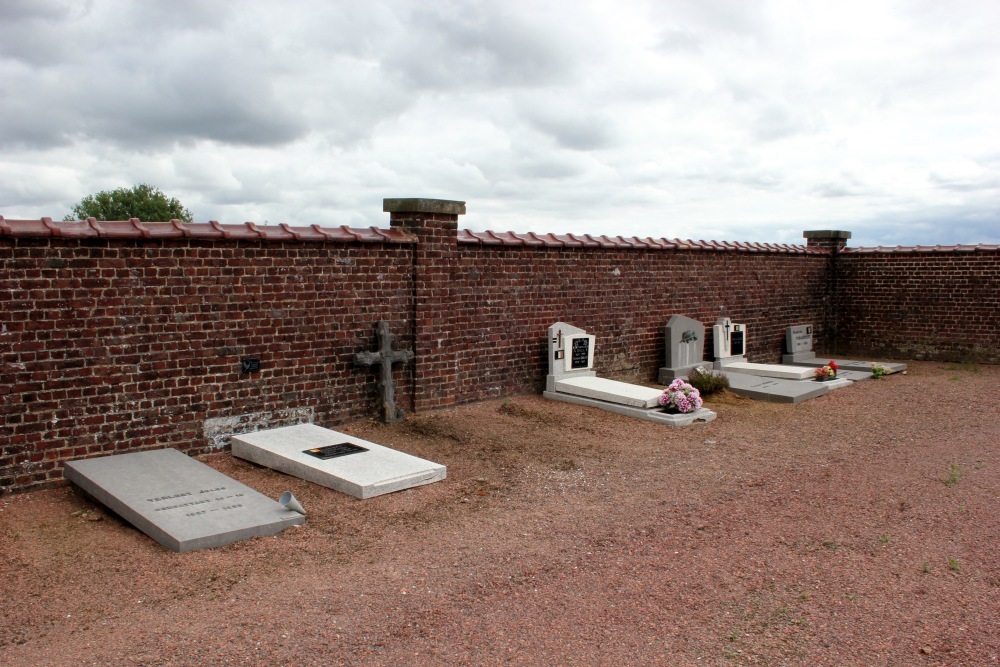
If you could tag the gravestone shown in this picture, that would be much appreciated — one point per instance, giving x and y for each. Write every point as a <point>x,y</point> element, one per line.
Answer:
<point>181,503</point>
<point>799,346</point>
<point>336,460</point>
<point>799,343</point>
<point>684,340</point>
<point>768,382</point>
<point>729,339</point>
<point>385,358</point>
<point>571,379</point>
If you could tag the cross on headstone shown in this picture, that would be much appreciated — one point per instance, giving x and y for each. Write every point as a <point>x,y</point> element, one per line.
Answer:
<point>386,357</point>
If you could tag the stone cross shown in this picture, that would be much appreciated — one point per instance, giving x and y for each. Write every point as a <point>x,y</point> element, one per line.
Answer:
<point>386,357</point>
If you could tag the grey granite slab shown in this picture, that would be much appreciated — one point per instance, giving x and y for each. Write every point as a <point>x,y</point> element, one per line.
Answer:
<point>813,361</point>
<point>181,503</point>
<point>775,390</point>
<point>371,472</point>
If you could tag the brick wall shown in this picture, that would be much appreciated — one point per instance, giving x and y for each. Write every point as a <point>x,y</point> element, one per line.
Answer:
<point>507,297</point>
<point>113,345</point>
<point>920,303</point>
<point>118,336</point>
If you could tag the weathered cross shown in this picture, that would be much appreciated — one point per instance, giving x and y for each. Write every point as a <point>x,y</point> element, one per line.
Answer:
<point>386,357</point>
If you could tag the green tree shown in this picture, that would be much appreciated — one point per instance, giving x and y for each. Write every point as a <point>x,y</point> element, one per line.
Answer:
<point>140,201</point>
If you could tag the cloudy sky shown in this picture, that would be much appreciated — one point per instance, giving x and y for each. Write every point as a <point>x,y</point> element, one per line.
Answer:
<point>708,119</point>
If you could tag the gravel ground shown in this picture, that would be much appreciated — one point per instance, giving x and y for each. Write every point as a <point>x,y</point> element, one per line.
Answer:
<point>860,528</point>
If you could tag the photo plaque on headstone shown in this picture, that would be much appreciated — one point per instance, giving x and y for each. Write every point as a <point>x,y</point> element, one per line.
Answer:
<point>737,342</point>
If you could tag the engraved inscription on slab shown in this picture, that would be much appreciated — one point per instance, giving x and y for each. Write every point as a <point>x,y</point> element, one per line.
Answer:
<point>333,451</point>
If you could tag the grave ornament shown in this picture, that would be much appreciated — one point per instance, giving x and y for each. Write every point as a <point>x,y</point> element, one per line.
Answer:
<point>385,358</point>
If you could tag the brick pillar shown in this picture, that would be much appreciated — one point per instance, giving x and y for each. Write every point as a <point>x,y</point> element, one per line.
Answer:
<point>435,311</point>
<point>828,239</point>
<point>834,241</point>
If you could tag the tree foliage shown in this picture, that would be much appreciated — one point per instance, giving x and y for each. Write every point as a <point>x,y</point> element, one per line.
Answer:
<point>141,201</point>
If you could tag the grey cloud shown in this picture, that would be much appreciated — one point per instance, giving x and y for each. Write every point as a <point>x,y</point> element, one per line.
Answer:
<point>455,45</point>
<point>937,225</point>
<point>570,124</point>
<point>679,40</point>
<point>965,184</point>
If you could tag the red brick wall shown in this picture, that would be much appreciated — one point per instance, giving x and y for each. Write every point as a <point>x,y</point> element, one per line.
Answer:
<point>108,346</point>
<point>509,296</point>
<point>940,305</point>
<point>122,336</point>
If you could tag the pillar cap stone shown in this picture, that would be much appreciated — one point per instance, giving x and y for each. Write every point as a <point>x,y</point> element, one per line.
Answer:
<point>445,206</point>
<point>826,234</point>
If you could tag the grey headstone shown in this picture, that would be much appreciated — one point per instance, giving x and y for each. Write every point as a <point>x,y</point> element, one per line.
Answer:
<point>799,338</point>
<point>684,340</point>
<point>181,503</point>
<point>371,472</point>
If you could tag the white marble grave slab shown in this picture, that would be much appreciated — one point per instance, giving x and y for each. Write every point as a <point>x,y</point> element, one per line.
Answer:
<point>770,370</point>
<point>181,503</point>
<point>364,474</point>
<point>611,391</point>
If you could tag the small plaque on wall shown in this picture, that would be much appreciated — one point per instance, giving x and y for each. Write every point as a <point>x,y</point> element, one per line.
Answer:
<point>250,365</point>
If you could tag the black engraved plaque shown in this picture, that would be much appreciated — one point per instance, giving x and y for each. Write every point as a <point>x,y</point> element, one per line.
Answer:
<point>250,365</point>
<point>736,347</point>
<point>580,353</point>
<point>333,451</point>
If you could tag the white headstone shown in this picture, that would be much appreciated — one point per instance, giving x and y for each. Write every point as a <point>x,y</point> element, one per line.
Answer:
<point>729,339</point>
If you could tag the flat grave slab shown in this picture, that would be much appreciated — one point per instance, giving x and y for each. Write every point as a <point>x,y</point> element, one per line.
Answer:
<point>853,376</point>
<point>845,364</point>
<point>181,503</point>
<point>657,415</point>
<point>775,390</point>
<point>776,371</point>
<point>799,343</point>
<point>611,391</point>
<point>336,460</point>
